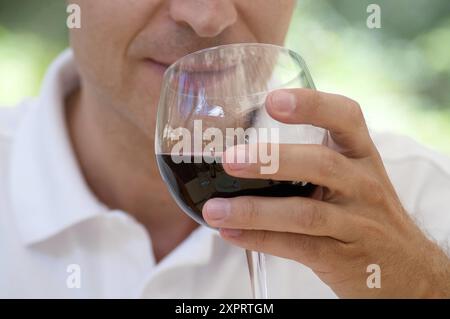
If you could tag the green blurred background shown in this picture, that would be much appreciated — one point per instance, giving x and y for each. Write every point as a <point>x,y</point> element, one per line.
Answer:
<point>400,73</point>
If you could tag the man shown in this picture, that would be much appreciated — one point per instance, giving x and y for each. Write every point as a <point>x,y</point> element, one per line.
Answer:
<point>84,212</point>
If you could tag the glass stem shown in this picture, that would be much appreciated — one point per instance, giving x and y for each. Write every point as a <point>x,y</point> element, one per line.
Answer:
<point>257,270</point>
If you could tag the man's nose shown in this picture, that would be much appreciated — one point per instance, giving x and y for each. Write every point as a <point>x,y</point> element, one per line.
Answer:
<point>208,18</point>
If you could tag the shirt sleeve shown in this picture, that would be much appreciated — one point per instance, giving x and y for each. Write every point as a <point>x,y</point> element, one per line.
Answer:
<point>433,204</point>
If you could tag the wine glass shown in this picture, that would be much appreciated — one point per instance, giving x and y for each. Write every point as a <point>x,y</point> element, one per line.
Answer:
<point>213,100</point>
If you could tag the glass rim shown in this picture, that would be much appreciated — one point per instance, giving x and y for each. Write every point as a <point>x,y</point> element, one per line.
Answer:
<point>290,52</point>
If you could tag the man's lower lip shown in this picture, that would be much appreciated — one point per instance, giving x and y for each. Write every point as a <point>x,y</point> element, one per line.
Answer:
<point>156,65</point>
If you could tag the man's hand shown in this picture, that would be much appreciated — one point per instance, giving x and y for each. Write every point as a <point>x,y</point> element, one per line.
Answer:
<point>354,219</point>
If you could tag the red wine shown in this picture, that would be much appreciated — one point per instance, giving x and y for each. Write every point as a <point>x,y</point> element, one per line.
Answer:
<point>192,184</point>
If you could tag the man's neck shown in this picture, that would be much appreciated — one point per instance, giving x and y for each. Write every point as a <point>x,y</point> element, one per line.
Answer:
<point>118,163</point>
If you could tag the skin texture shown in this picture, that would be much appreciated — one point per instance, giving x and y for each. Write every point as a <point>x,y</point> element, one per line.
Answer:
<point>355,218</point>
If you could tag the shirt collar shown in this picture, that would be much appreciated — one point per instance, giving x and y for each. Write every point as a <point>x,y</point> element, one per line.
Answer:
<point>48,192</point>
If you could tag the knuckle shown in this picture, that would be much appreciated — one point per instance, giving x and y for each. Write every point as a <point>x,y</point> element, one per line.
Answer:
<point>249,213</point>
<point>373,230</point>
<point>355,112</point>
<point>306,248</point>
<point>261,238</point>
<point>308,216</point>
<point>362,249</point>
<point>374,191</point>
<point>315,100</point>
<point>329,163</point>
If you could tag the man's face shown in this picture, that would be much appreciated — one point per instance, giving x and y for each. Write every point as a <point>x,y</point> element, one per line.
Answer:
<point>124,46</point>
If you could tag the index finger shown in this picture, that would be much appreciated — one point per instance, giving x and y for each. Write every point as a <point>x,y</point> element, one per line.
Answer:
<point>338,114</point>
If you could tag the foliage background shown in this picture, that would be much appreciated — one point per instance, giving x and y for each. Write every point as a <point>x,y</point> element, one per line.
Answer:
<point>400,74</point>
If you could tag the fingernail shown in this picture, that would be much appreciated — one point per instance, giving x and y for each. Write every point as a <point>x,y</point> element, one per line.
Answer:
<point>282,102</point>
<point>230,232</point>
<point>217,208</point>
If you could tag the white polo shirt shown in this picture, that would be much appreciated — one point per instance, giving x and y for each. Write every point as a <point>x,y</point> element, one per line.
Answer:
<point>58,240</point>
